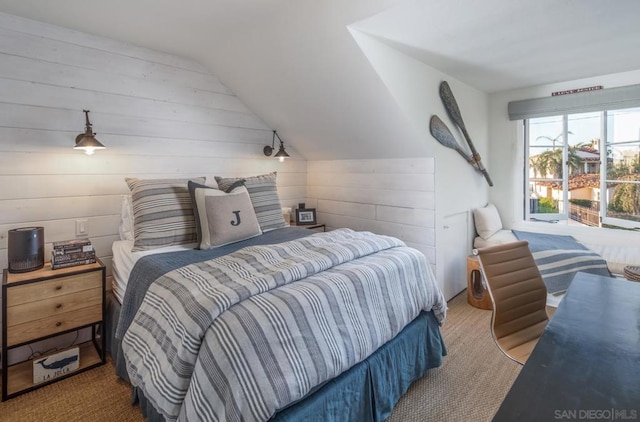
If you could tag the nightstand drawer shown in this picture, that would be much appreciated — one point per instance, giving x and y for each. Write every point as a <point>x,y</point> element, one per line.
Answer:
<point>33,292</point>
<point>31,330</point>
<point>32,311</point>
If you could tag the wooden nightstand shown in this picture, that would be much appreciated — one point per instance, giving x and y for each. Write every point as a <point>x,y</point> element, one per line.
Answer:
<point>477,295</point>
<point>316,227</point>
<point>46,303</point>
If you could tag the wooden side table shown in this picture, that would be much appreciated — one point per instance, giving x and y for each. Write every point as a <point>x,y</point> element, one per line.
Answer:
<point>45,303</point>
<point>316,227</point>
<point>477,295</point>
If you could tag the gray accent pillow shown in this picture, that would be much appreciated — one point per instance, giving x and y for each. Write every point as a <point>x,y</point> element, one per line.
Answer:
<point>192,194</point>
<point>264,198</point>
<point>162,212</point>
<point>225,217</point>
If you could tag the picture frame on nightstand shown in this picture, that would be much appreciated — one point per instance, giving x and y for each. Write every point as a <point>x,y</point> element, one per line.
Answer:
<point>306,216</point>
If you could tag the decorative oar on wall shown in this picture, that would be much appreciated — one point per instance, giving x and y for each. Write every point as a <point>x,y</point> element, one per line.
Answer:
<point>441,132</point>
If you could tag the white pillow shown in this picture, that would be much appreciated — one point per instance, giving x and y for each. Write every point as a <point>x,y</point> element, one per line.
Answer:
<point>487,221</point>
<point>126,219</point>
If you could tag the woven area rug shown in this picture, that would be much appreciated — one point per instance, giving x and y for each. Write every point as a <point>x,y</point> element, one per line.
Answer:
<point>474,378</point>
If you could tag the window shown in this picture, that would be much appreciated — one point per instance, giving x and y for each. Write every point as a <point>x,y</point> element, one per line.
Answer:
<point>584,168</point>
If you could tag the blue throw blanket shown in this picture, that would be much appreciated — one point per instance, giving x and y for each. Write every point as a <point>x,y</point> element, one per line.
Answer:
<point>559,258</point>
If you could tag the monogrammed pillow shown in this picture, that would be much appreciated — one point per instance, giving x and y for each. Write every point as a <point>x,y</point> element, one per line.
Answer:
<point>225,217</point>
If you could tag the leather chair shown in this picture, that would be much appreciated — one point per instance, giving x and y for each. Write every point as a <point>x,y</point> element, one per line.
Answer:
<point>518,295</point>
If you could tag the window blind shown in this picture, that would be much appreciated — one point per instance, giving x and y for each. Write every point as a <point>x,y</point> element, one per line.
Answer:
<point>604,99</point>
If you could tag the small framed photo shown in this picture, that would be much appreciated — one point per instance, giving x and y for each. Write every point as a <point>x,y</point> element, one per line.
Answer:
<point>306,216</point>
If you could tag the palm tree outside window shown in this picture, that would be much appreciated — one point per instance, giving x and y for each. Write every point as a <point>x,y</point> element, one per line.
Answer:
<point>584,168</point>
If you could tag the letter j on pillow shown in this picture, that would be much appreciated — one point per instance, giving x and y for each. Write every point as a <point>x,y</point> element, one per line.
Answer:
<point>225,217</point>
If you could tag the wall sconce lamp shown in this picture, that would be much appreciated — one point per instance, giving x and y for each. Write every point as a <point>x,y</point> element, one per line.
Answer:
<point>87,141</point>
<point>281,154</point>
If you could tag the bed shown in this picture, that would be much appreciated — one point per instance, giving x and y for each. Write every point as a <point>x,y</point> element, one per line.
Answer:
<point>558,257</point>
<point>286,325</point>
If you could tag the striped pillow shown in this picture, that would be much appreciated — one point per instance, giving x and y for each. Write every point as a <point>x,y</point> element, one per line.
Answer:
<point>162,212</point>
<point>264,198</point>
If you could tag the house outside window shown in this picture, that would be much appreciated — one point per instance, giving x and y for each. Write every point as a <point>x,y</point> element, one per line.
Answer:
<point>584,168</point>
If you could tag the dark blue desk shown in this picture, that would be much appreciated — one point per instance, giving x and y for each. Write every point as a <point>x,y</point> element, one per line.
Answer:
<point>586,365</point>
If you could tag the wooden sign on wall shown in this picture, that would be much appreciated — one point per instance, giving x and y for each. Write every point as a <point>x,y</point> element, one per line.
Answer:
<point>577,90</point>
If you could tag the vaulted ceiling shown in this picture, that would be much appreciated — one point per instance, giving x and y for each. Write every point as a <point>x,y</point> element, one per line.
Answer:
<point>296,65</point>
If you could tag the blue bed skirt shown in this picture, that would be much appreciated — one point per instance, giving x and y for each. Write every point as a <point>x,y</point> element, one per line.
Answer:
<point>370,390</point>
<point>367,392</point>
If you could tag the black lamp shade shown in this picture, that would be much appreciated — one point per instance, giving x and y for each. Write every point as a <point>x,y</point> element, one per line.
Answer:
<point>87,141</point>
<point>281,152</point>
<point>268,149</point>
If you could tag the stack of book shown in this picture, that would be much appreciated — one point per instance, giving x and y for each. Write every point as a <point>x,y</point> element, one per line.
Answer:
<point>69,253</point>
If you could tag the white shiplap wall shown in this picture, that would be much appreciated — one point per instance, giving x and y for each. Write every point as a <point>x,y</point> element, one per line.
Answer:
<point>395,197</point>
<point>159,116</point>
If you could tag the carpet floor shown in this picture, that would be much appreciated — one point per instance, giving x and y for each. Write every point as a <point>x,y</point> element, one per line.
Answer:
<point>469,386</point>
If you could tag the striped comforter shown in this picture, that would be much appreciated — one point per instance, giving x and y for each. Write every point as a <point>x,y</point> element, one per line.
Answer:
<point>243,335</point>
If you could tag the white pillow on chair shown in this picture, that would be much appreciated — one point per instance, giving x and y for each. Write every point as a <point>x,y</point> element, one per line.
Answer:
<point>487,221</point>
